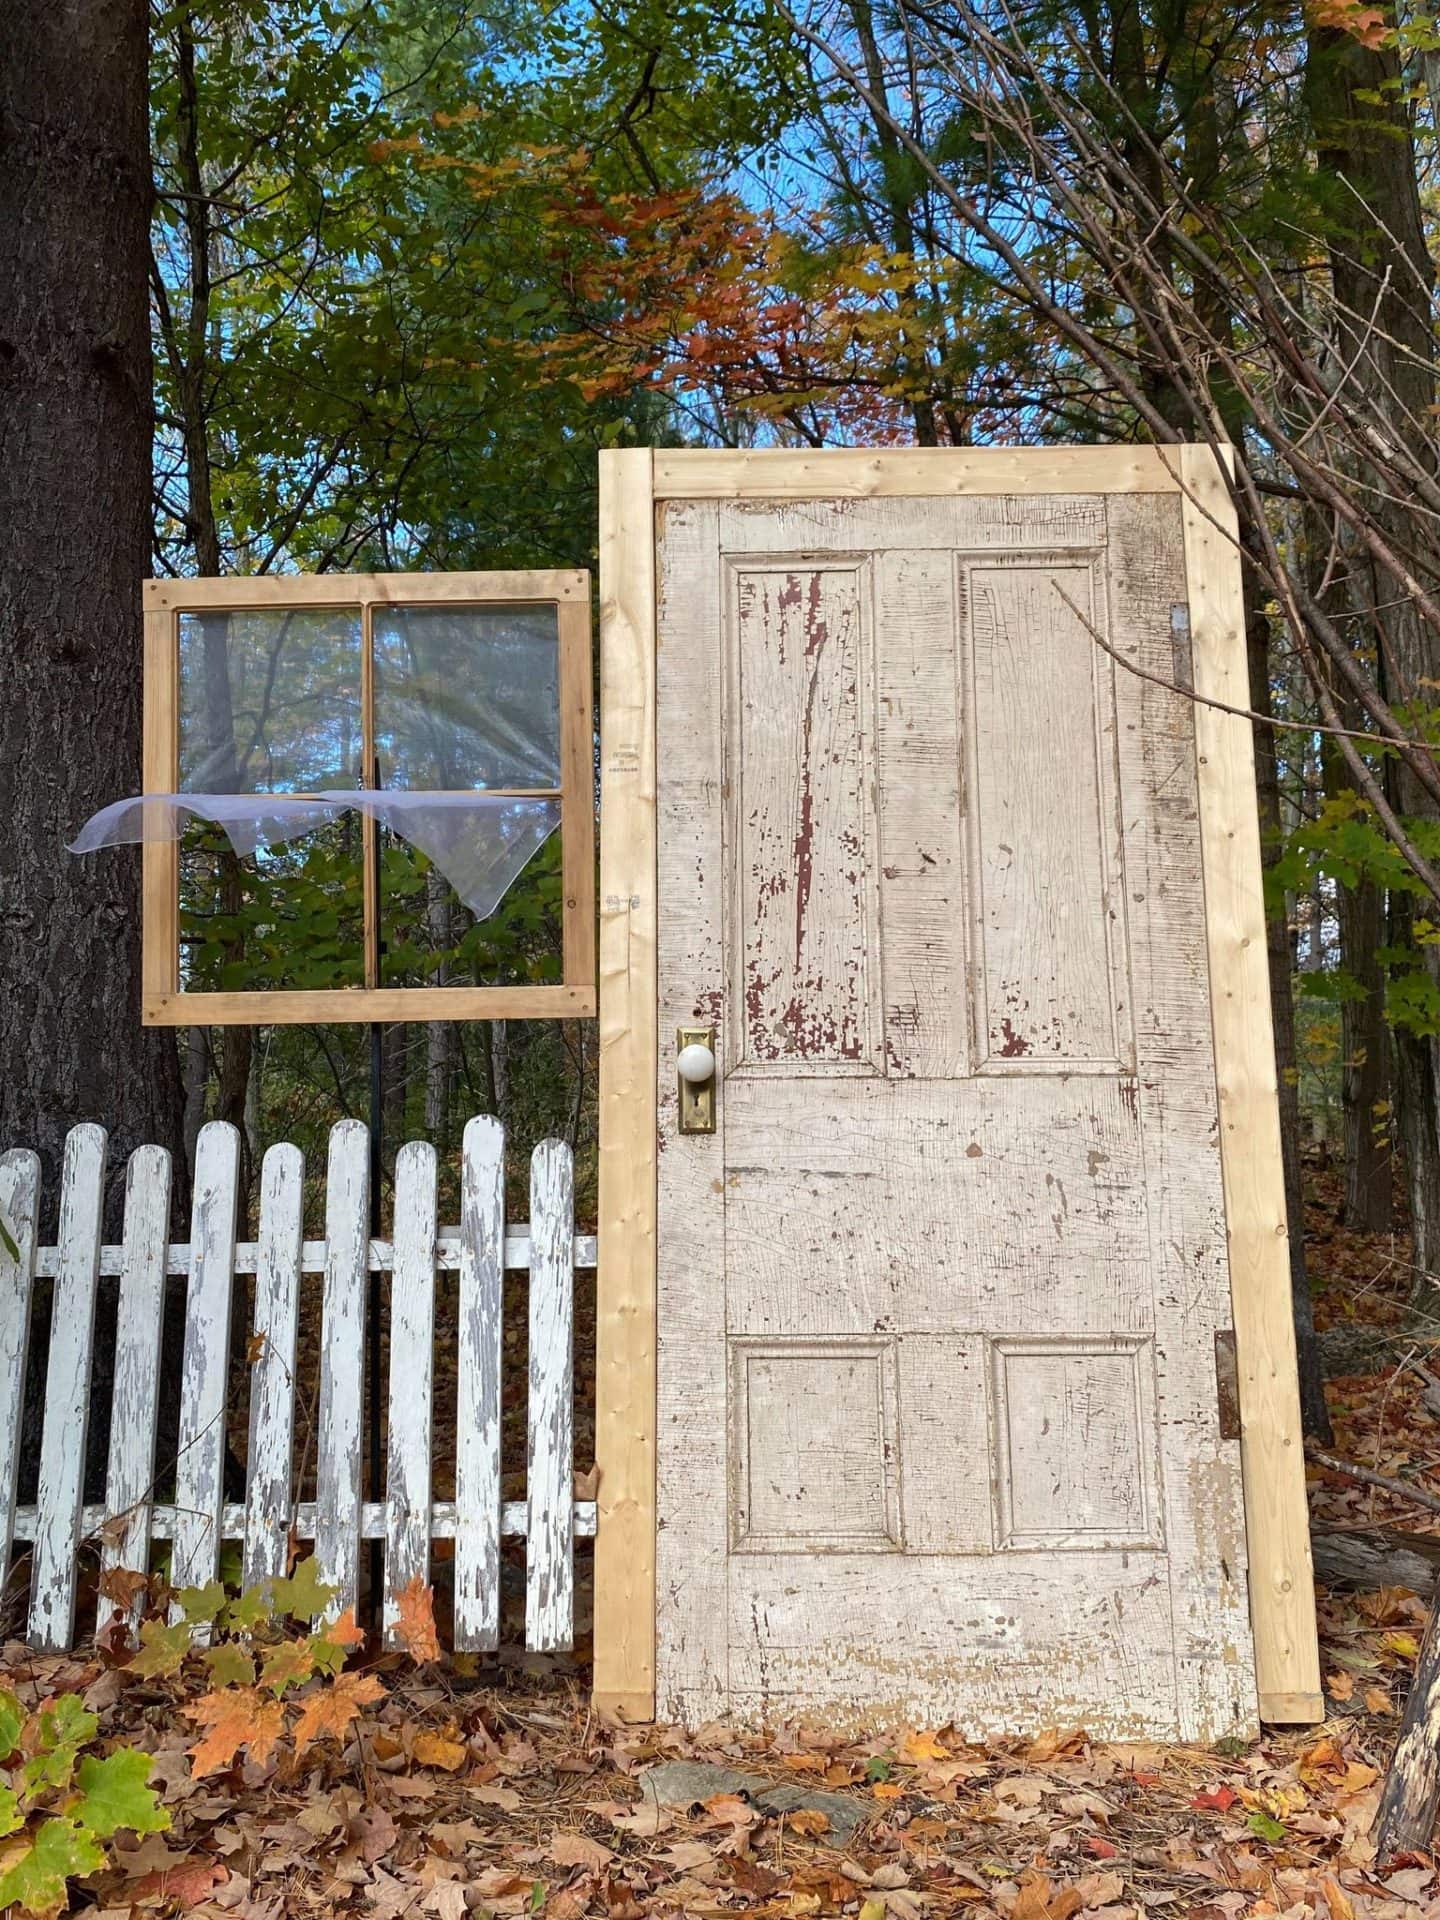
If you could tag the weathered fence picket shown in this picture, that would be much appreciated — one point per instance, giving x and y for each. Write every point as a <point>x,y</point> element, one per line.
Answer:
<point>199,1519</point>
<point>412,1356</point>
<point>477,1440</point>
<point>550,1478</point>
<point>67,1391</point>
<point>138,1333</point>
<point>272,1376</point>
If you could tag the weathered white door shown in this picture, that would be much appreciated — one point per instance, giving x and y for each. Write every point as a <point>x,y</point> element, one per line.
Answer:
<point>938,1433</point>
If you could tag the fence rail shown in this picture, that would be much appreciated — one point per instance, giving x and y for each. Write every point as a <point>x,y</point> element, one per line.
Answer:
<point>199,1519</point>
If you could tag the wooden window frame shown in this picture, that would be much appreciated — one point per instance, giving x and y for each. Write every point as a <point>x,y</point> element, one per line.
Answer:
<point>635,485</point>
<point>163,1004</point>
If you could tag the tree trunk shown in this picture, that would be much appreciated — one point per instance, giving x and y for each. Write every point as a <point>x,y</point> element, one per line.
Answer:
<point>75,483</point>
<point>1383,284</point>
<point>1365,1077</point>
<point>1408,1799</point>
<point>1365,1046</point>
<point>75,489</point>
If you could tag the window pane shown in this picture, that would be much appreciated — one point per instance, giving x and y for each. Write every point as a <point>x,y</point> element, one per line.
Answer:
<point>287,916</point>
<point>432,937</point>
<point>270,702</point>
<point>467,696</point>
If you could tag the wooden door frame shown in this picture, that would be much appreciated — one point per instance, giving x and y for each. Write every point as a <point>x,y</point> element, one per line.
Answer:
<point>632,483</point>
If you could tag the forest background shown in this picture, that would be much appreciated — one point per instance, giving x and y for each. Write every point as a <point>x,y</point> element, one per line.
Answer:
<point>335,284</point>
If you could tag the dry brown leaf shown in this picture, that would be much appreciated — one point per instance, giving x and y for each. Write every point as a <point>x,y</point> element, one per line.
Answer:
<point>333,1709</point>
<point>343,1631</point>
<point>808,1822</point>
<point>414,1624</point>
<point>434,1750</point>
<point>123,1586</point>
<point>236,1717</point>
<point>185,1886</point>
<point>1033,1900</point>
<point>570,1849</point>
<point>1099,1889</point>
<point>446,1898</point>
<point>919,1748</point>
<point>506,1798</point>
<point>1339,1902</point>
<point>730,1810</point>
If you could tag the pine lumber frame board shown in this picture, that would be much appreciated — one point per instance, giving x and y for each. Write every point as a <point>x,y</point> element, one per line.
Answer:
<point>264,592</point>
<point>625,1407</point>
<point>1282,1593</point>
<point>1277,1526</point>
<point>286,1006</point>
<point>577,784</point>
<point>163,1004</point>
<point>920,472</point>
<point>160,859</point>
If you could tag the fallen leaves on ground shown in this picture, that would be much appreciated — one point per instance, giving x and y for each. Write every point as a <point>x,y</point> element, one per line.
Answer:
<point>434,1799</point>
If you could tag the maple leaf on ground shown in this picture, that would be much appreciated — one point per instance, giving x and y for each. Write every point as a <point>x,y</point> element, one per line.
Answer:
<point>414,1622</point>
<point>238,1717</point>
<point>229,1665</point>
<point>12,1721</point>
<point>33,1875</point>
<point>200,1605</point>
<point>331,1646</point>
<point>183,1885</point>
<point>249,1609</point>
<point>116,1795</point>
<point>304,1596</point>
<point>333,1709</point>
<point>434,1750</point>
<point>570,1849</point>
<point>288,1665</point>
<point>162,1649</point>
<point>1216,1799</point>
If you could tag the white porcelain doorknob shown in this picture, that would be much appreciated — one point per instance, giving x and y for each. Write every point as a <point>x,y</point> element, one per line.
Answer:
<point>695,1064</point>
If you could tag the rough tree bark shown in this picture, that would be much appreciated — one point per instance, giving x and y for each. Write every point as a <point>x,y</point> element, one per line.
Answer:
<point>1383,284</point>
<point>1364,1040</point>
<point>75,486</point>
<point>75,534</point>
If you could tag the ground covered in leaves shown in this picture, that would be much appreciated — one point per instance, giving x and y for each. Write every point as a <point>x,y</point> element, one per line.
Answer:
<point>444,1789</point>
<point>451,1799</point>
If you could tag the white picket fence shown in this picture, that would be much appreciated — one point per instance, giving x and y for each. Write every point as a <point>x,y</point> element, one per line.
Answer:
<point>337,1521</point>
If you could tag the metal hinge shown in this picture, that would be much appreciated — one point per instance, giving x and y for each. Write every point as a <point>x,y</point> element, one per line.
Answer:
<point>1227,1383</point>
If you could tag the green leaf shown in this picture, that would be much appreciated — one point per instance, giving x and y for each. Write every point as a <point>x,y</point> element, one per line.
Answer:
<point>162,1649</point>
<point>65,1722</point>
<point>47,1771</point>
<point>12,1719</point>
<point>201,1604</point>
<point>229,1665</point>
<point>1264,1827</point>
<point>251,1609</point>
<point>877,1768</point>
<point>304,1594</point>
<point>11,1818</point>
<point>36,1881</point>
<point>8,1241</point>
<point>115,1794</point>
